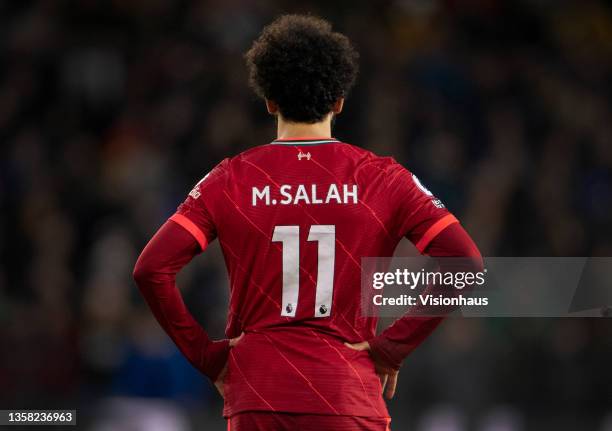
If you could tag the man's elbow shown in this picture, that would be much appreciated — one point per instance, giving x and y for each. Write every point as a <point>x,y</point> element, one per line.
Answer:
<point>143,272</point>
<point>471,254</point>
<point>477,262</point>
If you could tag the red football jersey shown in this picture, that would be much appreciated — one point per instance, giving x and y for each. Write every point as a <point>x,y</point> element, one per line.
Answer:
<point>294,218</point>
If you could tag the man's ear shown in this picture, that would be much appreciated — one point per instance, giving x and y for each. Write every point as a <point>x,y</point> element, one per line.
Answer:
<point>272,107</point>
<point>338,105</point>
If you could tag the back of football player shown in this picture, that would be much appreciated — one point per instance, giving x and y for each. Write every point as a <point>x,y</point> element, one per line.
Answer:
<point>294,217</point>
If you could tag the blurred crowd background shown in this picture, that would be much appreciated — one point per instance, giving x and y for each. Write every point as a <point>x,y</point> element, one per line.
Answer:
<point>110,111</point>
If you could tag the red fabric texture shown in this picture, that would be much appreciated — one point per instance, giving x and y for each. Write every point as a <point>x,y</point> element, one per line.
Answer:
<point>306,352</point>
<point>266,421</point>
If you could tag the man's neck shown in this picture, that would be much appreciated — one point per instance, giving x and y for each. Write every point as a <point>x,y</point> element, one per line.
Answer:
<point>289,130</point>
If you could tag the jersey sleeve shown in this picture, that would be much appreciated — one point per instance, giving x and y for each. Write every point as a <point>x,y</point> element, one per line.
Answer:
<point>197,213</point>
<point>418,214</point>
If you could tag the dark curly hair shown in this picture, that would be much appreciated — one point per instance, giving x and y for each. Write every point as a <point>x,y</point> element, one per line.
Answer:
<point>299,63</point>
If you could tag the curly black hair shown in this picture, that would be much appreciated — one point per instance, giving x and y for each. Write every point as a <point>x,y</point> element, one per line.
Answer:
<point>303,66</point>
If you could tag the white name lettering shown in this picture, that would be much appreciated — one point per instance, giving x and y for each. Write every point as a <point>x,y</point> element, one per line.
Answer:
<point>303,194</point>
<point>264,194</point>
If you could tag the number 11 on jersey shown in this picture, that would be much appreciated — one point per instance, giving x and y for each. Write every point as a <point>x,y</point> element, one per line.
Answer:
<point>325,235</point>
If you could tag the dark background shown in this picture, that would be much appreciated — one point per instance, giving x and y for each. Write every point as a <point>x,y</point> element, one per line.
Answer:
<point>110,111</point>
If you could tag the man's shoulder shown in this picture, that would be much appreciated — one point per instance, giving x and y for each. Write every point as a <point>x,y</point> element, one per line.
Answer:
<point>373,165</point>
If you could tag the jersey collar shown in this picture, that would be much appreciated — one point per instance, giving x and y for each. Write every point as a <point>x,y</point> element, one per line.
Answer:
<point>305,141</point>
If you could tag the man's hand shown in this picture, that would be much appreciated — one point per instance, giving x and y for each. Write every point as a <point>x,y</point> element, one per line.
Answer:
<point>388,376</point>
<point>219,382</point>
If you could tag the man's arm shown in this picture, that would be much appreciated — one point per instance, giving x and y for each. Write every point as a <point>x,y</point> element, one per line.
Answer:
<point>394,344</point>
<point>397,341</point>
<point>170,249</point>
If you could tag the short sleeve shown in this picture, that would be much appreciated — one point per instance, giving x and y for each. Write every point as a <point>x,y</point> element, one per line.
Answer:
<point>196,213</point>
<point>420,216</point>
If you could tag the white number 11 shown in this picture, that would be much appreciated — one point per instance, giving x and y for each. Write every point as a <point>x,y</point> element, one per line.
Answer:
<point>325,235</point>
